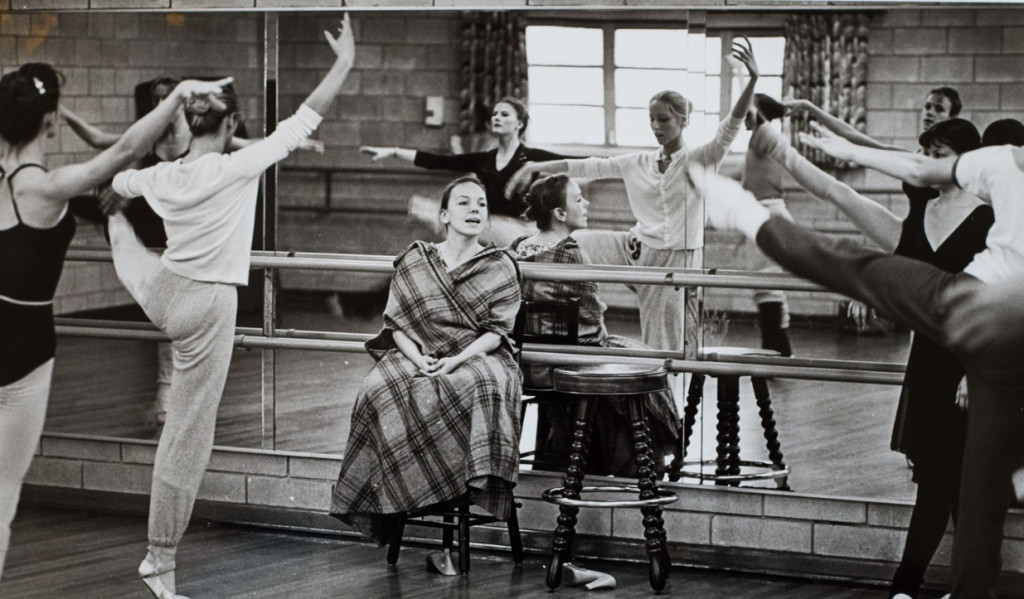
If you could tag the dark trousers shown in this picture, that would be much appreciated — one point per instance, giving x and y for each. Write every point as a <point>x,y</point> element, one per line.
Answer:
<point>982,324</point>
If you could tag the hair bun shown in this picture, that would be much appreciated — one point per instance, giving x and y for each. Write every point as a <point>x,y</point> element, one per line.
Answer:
<point>199,105</point>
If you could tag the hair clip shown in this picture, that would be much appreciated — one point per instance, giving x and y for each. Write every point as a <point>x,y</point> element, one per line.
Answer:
<point>39,85</point>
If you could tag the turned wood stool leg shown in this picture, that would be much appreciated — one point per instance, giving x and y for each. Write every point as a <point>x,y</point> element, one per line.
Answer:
<point>654,525</point>
<point>771,433</point>
<point>728,449</point>
<point>693,396</point>
<point>566,530</point>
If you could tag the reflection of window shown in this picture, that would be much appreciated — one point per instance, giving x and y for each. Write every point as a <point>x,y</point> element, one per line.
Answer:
<point>591,84</point>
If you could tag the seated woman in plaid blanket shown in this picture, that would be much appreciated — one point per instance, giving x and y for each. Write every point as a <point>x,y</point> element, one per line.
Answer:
<point>559,208</point>
<point>437,418</point>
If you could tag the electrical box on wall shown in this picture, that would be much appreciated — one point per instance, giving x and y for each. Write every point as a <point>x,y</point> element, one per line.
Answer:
<point>434,111</point>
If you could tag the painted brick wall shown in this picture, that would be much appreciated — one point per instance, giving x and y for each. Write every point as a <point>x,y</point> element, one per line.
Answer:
<point>781,532</point>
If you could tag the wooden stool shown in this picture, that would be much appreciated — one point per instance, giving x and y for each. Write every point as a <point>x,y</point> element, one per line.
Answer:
<point>728,465</point>
<point>590,383</point>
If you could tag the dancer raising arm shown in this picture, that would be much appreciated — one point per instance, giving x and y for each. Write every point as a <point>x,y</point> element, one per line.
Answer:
<point>977,314</point>
<point>946,232</point>
<point>669,232</point>
<point>35,231</point>
<point>207,201</point>
<point>509,120</point>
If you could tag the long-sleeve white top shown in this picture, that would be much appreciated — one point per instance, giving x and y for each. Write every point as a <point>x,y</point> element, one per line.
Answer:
<point>208,205</point>
<point>668,210</point>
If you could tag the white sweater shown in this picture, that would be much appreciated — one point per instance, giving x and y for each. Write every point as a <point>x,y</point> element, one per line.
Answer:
<point>208,205</point>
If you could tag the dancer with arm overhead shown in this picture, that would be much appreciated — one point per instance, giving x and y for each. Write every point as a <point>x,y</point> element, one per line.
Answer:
<point>35,231</point>
<point>560,210</point>
<point>207,201</point>
<point>495,167</point>
<point>977,314</point>
<point>930,427</point>
<point>670,212</point>
<point>437,417</point>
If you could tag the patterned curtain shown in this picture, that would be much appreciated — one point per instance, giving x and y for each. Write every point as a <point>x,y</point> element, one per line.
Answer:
<point>826,62</point>
<point>493,66</point>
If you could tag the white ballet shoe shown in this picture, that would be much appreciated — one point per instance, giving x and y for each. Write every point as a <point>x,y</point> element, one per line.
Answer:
<point>441,562</point>
<point>903,596</point>
<point>591,580</point>
<point>1018,485</point>
<point>159,581</point>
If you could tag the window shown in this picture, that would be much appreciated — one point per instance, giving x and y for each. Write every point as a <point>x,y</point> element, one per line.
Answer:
<point>590,85</point>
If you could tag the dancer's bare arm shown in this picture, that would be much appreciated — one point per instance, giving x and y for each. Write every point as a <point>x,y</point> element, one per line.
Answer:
<point>838,126</point>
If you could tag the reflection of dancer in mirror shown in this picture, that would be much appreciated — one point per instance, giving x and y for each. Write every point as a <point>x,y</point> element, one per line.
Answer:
<point>437,417</point>
<point>669,232</point>
<point>946,232</point>
<point>560,210</point>
<point>35,231</point>
<point>149,227</point>
<point>494,168</point>
<point>207,201</point>
<point>976,313</point>
<point>940,104</point>
<point>763,178</point>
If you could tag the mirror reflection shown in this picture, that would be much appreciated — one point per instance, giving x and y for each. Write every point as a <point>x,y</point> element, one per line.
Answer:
<point>408,120</point>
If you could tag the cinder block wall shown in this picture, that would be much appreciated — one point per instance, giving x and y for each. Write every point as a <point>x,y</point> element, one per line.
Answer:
<point>741,529</point>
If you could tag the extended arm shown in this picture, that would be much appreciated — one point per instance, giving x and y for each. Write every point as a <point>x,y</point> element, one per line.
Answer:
<point>69,181</point>
<point>344,48</point>
<point>521,181</point>
<point>915,169</point>
<point>874,220</point>
<point>89,133</point>
<point>378,153</point>
<point>745,54</point>
<point>837,126</point>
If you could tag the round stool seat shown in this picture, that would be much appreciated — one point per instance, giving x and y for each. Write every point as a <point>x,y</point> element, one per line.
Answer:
<point>610,379</point>
<point>711,352</point>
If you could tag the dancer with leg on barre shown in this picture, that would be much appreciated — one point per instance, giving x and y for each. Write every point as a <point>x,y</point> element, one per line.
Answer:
<point>207,201</point>
<point>35,231</point>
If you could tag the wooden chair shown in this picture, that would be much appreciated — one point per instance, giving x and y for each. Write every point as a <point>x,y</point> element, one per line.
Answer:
<point>552,323</point>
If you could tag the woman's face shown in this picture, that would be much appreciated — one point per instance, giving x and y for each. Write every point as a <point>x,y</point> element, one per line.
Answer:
<point>505,119</point>
<point>935,110</point>
<point>466,213</point>
<point>666,125</point>
<point>575,207</point>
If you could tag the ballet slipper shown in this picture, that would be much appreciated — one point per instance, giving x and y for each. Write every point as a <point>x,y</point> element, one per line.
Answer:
<point>1018,485</point>
<point>441,562</point>
<point>903,596</point>
<point>591,580</point>
<point>159,581</point>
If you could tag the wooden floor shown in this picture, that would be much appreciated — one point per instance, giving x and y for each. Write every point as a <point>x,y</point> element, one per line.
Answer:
<point>87,555</point>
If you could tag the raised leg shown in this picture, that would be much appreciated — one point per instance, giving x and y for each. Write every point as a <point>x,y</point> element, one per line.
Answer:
<point>771,434</point>
<point>654,524</point>
<point>566,530</point>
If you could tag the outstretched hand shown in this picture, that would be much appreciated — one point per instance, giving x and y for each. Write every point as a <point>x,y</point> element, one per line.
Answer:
<point>344,45</point>
<point>520,182</point>
<point>827,142</point>
<point>744,52</point>
<point>191,89</point>
<point>797,106</point>
<point>377,153</point>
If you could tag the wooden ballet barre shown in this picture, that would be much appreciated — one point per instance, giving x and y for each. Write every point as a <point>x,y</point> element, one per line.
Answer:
<point>258,341</point>
<point>544,272</point>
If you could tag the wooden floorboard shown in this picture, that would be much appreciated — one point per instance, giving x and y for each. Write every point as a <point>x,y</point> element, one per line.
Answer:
<point>89,555</point>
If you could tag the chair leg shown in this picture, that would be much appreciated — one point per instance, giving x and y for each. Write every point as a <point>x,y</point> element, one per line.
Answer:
<point>514,538</point>
<point>771,433</point>
<point>396,542</point>
<point>464,539</point>
<point>693,396</point>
